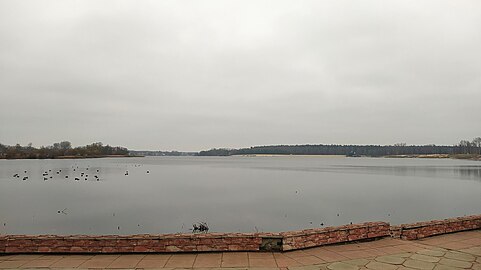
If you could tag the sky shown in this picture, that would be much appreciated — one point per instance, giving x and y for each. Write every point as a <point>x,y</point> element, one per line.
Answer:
<point>194,75</point>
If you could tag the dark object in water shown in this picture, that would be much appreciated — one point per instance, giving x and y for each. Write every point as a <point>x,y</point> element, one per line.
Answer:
<point>200,227</point>
<point>76,178</point>
<point>25,178</point>
<point>353,154</point>
<point>127,173</point>
<point>148,171</point>
<point>66,176</point>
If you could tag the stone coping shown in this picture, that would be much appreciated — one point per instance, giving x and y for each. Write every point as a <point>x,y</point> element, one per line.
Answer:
<point>424,229</point>
<point>283,241</point>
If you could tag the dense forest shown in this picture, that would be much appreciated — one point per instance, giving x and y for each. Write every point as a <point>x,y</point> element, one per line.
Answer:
<point>464,147</point>
<point>60,150</point>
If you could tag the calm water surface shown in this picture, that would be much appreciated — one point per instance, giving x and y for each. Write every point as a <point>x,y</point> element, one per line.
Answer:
<point>244,194</point>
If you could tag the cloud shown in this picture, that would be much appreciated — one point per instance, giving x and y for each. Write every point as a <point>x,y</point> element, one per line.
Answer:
<point>187,75</point>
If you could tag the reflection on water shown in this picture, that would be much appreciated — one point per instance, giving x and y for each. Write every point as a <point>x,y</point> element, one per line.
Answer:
<point>169,194</point>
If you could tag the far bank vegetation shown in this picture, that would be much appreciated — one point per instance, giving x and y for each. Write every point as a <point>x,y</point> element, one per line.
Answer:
<point>463,150</point>
<point>62,149</point>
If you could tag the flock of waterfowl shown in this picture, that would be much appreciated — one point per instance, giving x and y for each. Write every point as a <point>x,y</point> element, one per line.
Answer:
<point>82,174</point>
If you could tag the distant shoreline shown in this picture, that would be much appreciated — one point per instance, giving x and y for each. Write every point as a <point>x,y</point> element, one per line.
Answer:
<point>440,156</point>
<point>77,157</point>
<point>473,157</point>
<point>286,155</point>
<point>431,156</point>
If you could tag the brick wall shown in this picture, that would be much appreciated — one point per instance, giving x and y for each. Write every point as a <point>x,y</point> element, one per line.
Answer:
<point>231,241</point>
<point>435,227</point>
<point>132,243</point>
<point>3,242</point>
<point>331,235</point>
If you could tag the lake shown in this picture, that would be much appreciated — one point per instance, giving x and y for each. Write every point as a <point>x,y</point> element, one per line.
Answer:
<point>231,194</point>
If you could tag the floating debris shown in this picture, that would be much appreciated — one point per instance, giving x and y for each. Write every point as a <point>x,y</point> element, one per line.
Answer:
<point>200,227</point>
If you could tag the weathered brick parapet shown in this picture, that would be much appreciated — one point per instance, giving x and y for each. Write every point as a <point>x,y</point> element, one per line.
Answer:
<point>283,241</point>
<point>131,243</point>
<point>331,235</point>
<point>420,230</point>
<point>3,243</point>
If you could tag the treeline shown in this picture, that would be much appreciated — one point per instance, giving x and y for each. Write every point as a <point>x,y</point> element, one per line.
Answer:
<point>464,147</point>
<point>60,150</point>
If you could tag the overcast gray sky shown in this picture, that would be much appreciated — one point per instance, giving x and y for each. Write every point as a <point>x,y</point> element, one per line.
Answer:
<point>192,75</point>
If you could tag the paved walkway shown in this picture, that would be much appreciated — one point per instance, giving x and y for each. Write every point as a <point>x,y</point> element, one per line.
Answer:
<point>453,251</point>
